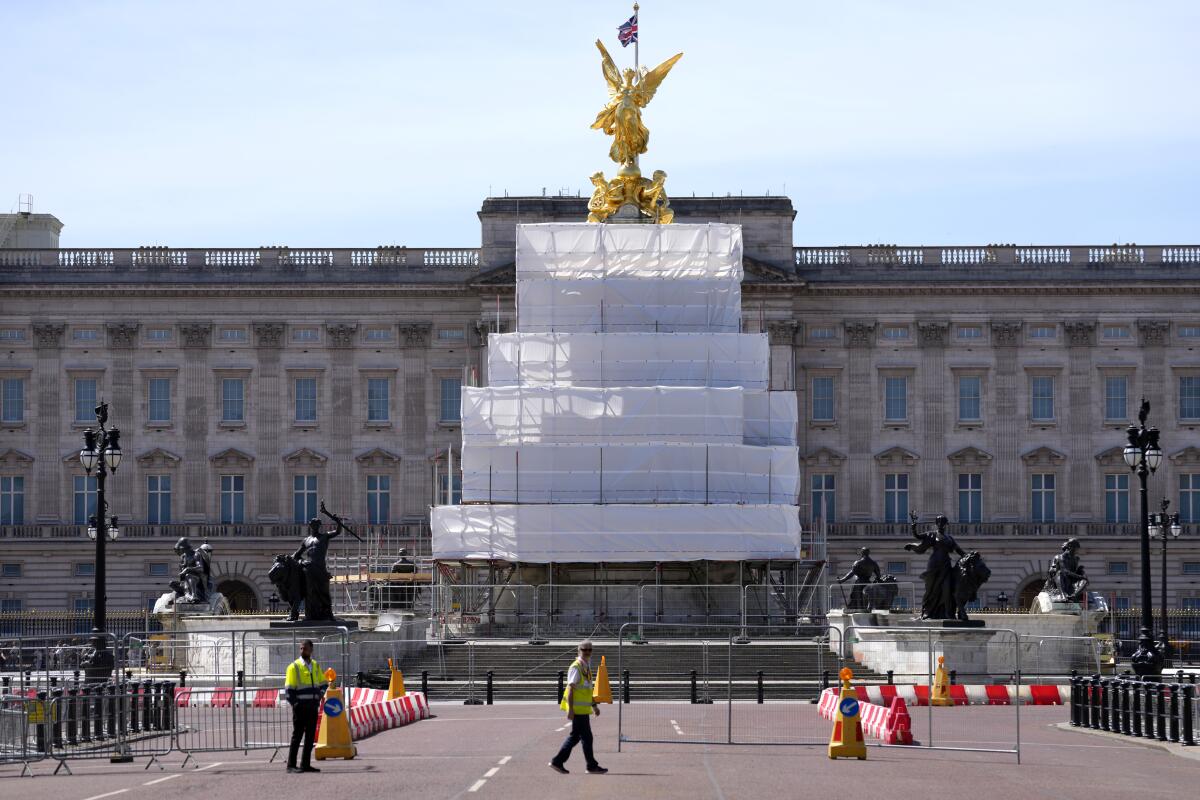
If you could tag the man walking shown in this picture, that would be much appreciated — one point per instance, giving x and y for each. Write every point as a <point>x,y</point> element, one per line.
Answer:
<point>305,687</point>
<point>577,702</point>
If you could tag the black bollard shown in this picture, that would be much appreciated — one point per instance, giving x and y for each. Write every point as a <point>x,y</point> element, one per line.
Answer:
<point>1148,710</point>
<point>134,699</point>
<point>168,706</point>
<point>1105,703</point>
<point>562,686</point>
<point>85,713</point>
<point>182,678</point>
<point>147,705</point>
<point>824,679</point>
<point>1094,704</point>
<point>890,676</point>
<point>1135,714</point>
<point>1189,700</point>
<point>1160,691</point>
<point>953,677</point>
<point>40,729</point>
<point>55,715</point>
<point>1174,712</point>
<point>760,687</point>
<point>110,702</point>
<point>625,686</point>
<point>425,683</point>
<point>241,678</point>
<point>6,683</point>
<point>1074,701</point>
<point>1119,698</point>
<point>489,687</point>
<point>72,716</point>
<point>694,700</point>
<point>98,712</point>
<point>53,682</point>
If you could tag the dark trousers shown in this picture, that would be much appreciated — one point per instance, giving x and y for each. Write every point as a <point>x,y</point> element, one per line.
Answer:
<point>581,731</point>
<point>304,726</point>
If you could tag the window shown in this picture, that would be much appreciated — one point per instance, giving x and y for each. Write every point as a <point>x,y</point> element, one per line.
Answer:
<point>824,500</point>
<point>306,399</point>
<point>233,334</point>
<point>12,500</point>
<point>1189,397</point>
<point>85,334</point>
<point>897,568</point>
<point>85,569</point>
<point>895,497</point>
<point>85,498</point>
<point>1116,398</point>
<point>10,570</point>
<point>895,332</point>
<point>158,569</point>
<point>379,335</point>
<point>822,334</point>
<point>1042,497</point>
<point>1116,497</point>
<point>158,499</point>
<point>822,399</point>
<point>160,399</point>
<point>456,495</point>
<point>379,499</point>
<point>11,605</point>
<point>1118,568</point>
<point>451,334</point>
<point>158,335</point>
<point>83,605</point>
<point>1042,332</point>
<point>1116,332</point>
<point>1189,567</point>
<point>1189,332</point>
<point>895,399</point>
<point>451,399</point>
<point>12,335</point>
<point>970,497</point>
<point>970,332</point>
<point>1041,401</point>
<point>12,397</point>
<point>85,399</point>
<point>1189,497</point>
<point>233,400</point>
<point>969,398</point>
<point>378,400</point>
<point>305,335</point>
<point>233,499</point>
<point>304,498</point>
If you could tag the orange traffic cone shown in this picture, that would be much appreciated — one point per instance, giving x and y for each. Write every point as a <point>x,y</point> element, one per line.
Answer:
<point>847,738</point>
<point>939,695</point>
<point>602,691</point>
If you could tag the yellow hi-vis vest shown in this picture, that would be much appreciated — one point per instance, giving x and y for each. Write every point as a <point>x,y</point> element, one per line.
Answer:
<point>583,691</point>
<point>304,682</point>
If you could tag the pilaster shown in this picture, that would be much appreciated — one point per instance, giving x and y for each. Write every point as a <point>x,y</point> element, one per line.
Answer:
<point>270,417</point>
<point>860,342</point>
<point>195,338</point>
<point>341,338</point>
<point>935,482</point>
<point>1081,416</point>
<point>417,487</point>
<point>48,420</point>
<point>1009,501</point>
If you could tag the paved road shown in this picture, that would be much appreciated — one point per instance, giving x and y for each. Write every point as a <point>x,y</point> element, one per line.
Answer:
<point>502,750</point>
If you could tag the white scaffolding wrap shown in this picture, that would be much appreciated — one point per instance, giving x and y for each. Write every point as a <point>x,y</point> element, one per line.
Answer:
<point>771,418</point>
<point>628,359</point>
<point>659,252</point>
<point>615,533</point>
<point>634,473</point>
<point>628,305</point>
<point>571,415</point>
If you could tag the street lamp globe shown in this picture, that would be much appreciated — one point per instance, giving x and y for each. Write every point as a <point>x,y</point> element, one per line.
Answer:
<point>88,456</point>
<point>1176,528</point>
<point>1153,451</point>
<point>112,453</point>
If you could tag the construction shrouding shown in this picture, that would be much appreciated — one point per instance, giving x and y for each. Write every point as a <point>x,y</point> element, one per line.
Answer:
<point>628,437</point>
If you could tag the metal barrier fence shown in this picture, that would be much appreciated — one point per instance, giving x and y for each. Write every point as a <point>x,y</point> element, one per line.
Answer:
<point>42,662</point>
<point>906,596</point>
<point>18,735</point>
<point>1145,708</point>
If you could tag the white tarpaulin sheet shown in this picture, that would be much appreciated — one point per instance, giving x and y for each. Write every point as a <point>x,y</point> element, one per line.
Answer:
<point>771,418</point>
<point>580,415</point>
<point>626,305</point>
<point>615,533</point>
<point>666,252</point>
<point>633,473</point>
<point>629,359</point>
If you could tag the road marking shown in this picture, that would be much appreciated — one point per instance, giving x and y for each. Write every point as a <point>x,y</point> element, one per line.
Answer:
<point>477,785</point>
<point>160,780</point>
<point>209,766</point>
<point>505,760</point>
<point>491,772</point>
<point>106,794</point>
<point>560,730</point>
<point>675,725</point>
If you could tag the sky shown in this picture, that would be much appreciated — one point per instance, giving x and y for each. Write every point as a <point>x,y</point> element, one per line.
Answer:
<point>356,124</point>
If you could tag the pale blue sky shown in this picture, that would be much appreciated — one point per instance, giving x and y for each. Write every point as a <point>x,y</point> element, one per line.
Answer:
<point>365,123</point>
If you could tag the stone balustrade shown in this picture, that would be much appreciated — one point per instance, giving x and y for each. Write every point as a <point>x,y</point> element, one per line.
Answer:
<point>166,259</point>
<point>999,256</point>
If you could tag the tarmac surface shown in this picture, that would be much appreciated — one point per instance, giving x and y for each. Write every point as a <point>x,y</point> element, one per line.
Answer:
<point>502,750</point>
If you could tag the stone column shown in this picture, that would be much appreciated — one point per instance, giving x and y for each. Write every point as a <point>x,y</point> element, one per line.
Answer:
<point>122,339</point>
<point>1009,503</point>
<point>860,423</point>
<point>269,399</point>
<point>1080,417</point>
<point>1156,387</point>
<point>932,384</point>
<point>417,489</point>
<point>342,338</point>
<point>781,336</point>
<point>195,339</point>
<point>48,420</point>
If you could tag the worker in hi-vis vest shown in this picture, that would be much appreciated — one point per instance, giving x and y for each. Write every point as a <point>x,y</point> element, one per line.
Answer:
<point>577,702</point>
<point>305,686</point>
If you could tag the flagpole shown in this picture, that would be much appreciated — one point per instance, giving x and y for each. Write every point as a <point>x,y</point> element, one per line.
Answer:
<point>637,37</point>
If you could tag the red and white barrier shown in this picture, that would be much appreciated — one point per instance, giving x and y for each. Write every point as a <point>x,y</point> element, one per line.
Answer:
<point>381,716</point>
<point>889,723</point>
<point>968,694</point>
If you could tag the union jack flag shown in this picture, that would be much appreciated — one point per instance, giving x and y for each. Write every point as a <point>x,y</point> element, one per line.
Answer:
<point>627,31</point>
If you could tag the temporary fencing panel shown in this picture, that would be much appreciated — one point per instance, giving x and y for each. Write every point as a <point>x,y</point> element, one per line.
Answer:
<point>629,473</point>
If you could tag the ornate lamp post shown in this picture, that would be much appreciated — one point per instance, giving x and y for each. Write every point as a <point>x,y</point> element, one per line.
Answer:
<point>1165,526</point>
<point>1143,455</point>
<point>102,453</point>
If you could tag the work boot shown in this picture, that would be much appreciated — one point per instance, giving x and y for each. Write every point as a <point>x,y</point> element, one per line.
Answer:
<point>559,768</point>
<point>294,770</point>
<point>597,770</point>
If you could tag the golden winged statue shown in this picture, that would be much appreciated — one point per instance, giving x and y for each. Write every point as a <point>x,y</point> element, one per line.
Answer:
<point>621,118</point>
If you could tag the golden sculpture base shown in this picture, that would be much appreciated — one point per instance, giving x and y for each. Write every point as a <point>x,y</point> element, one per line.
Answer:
<point>612,200</point>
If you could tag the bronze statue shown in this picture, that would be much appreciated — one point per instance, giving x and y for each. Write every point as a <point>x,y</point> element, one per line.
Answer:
<point>192,585</point>
<point>938,600</point>
<point>287,576</point>
<point>864,571</point>
<point>882,594</point>
<point>1065,578</point>
<point>969,574</point>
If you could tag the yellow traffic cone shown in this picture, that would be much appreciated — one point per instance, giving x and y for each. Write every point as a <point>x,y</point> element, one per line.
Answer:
<point>602,691</point>
<point>396,684</point>
<point>333,739</point>
<point>939,695</point>
<point>847,738</point>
